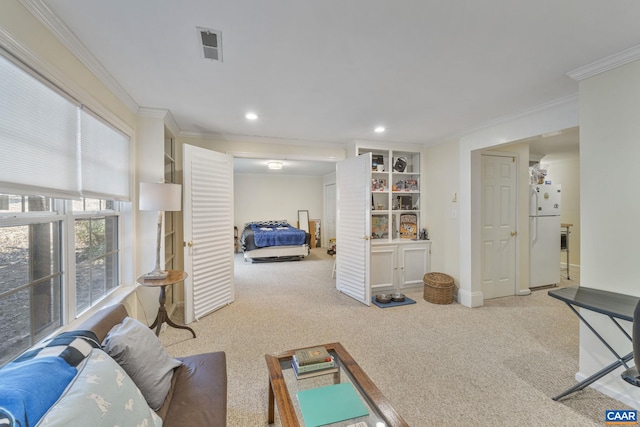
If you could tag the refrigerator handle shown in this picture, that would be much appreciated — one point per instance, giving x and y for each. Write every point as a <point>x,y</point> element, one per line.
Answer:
<point>534,232</point>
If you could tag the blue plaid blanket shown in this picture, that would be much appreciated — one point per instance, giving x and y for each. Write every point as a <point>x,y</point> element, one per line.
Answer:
<point>34,381</point>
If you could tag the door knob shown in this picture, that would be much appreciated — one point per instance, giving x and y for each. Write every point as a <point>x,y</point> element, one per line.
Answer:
<point>514,233</point>
<point>190,243</point>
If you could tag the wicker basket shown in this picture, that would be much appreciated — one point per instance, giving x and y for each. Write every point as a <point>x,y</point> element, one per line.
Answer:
<point>438,288</point>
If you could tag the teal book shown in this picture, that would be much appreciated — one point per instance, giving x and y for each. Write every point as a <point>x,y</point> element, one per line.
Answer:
<point>331,404</point>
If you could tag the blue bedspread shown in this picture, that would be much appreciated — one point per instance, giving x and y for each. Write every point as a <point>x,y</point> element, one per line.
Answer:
<point>277,235</point>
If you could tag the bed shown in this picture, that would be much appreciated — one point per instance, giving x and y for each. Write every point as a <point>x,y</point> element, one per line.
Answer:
<point>270,241</point>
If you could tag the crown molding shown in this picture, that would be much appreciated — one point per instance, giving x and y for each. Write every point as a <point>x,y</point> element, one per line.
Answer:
<point>153,113</point>
<point>55,77</point>
<point>163,114</point>
<point>171,124</point>
<point>43,14</point>
<point>263,139</point>
<point>606,64</point>
<point>565,100</point>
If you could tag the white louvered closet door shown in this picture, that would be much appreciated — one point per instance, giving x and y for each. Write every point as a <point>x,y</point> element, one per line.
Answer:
<point>353,227</point>
<point>208,231</point>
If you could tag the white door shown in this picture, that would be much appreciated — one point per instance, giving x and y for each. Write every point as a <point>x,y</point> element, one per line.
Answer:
<point>208,231</point>
<point>498,252</point>
<point>353,227</point>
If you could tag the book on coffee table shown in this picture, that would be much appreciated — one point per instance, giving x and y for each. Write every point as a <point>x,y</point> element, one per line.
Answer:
<point>308,356</point>
<point>330,404</point>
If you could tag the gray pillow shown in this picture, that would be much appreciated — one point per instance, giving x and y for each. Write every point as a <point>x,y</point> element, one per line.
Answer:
<point>140,353</point>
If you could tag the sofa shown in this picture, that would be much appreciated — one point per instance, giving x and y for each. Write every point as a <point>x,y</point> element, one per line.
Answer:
<point>84,373</point>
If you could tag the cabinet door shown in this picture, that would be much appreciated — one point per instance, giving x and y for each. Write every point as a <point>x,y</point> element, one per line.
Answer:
<point>383,268</point>
<point>413,263</point>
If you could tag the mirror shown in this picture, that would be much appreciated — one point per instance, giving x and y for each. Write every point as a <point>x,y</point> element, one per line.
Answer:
<point>303,220</point>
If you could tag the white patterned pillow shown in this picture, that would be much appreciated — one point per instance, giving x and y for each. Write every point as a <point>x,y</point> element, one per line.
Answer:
<point>270,223</point>
<point>102,394</point>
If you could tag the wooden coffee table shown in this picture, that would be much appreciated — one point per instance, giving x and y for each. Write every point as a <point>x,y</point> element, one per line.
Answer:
<point>282,380</point>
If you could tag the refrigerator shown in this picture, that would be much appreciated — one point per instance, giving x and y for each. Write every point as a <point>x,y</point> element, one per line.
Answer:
<point>544,235</point>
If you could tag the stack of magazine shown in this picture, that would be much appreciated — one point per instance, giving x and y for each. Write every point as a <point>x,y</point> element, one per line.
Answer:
<point>310,362</point>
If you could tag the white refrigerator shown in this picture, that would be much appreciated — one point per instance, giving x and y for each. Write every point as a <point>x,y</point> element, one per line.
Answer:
<point>544,235</point>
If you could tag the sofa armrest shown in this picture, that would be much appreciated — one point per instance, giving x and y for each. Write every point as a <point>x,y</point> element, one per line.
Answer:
<point>102,321</point>
<point>198,396</point>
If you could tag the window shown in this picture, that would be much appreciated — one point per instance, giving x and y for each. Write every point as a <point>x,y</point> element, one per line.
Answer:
<point>96,251</point>
<point>58,256</point>
<point>30,272</point>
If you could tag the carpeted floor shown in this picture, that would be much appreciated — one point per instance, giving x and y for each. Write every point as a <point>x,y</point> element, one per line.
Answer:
<point>439,365</point>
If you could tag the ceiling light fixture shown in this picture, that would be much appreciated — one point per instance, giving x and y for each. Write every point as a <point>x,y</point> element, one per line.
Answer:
<point>251,116</point>
<point>379,129</point>
<point>275,165</point>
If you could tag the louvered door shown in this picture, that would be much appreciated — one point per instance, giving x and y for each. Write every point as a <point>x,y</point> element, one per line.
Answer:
<point>208,231</point>
<point>353,227</point>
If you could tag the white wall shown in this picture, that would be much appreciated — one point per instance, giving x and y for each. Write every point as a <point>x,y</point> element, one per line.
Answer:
<point>265,197</point>
<point>150,168</point>
<point>439,179</point>
<point>610,207</point>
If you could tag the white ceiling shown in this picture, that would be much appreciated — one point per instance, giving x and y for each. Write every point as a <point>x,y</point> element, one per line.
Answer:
<point>319,72</point>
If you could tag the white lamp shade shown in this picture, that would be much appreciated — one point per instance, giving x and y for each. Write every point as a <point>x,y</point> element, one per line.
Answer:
<point>160,197</point>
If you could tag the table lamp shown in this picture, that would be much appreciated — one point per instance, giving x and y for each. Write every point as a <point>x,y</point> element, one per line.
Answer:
<point>159,197</point>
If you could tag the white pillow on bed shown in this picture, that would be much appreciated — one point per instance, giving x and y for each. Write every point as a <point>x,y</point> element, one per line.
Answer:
<point>267,223</point>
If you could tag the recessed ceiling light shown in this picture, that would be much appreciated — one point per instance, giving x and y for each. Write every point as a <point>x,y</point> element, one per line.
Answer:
<point>274,165</point>
<point>379,129</point>
<point>251,116</point>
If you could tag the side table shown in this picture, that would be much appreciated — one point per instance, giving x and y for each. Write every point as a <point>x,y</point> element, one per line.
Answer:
<point>174,276</point>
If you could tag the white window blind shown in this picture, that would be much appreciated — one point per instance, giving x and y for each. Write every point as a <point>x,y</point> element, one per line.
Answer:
<point>38,137</point>
<point>105,159</point>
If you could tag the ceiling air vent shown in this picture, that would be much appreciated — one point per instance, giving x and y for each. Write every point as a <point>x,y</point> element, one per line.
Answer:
<point>211,43</point>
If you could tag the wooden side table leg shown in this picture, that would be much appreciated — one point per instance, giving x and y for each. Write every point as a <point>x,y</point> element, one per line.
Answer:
<point>163,316</point>
<point>271,418</point>
<point>170,323</point>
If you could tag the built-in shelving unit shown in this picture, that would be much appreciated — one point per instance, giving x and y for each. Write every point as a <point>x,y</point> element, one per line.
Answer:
<point>399,259</point>
<point>395,194</point>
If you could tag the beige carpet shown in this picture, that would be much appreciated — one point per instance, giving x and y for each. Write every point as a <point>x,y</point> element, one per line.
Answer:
<point>439,365</point>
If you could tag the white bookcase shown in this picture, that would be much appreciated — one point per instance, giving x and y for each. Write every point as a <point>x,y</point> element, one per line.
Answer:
<point>395,195</point>
<point>398,259</point>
